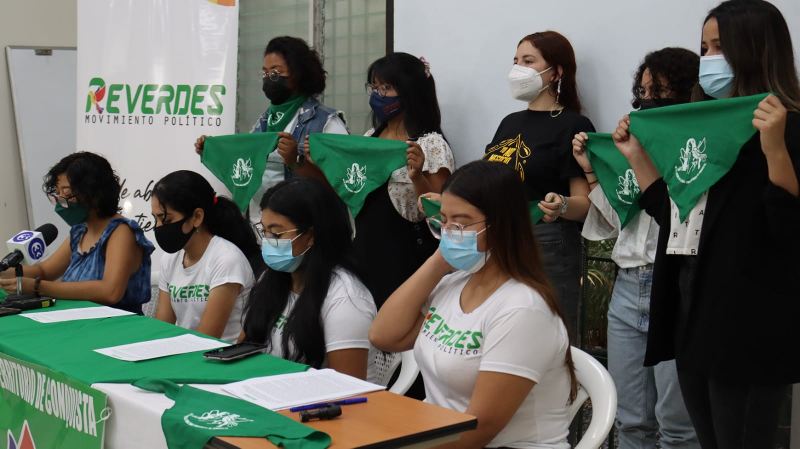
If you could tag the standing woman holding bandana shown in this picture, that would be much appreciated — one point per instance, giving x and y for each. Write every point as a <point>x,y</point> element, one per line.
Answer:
<point>392,240</point>
<point>489,338</point>
<point>309,306</point>
<point>650,407</point>
<point>537,143</point>
<point>212,254</point>
<point>107,257</point>
<point>724,305</point>
<point>292,78</point>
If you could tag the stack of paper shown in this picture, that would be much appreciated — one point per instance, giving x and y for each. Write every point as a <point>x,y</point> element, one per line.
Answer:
<point>162,347</point>
<point>86,313</point>
<point>290,390</point>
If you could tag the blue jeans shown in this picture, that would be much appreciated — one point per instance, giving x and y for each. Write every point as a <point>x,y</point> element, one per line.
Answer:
<point>649,398</point>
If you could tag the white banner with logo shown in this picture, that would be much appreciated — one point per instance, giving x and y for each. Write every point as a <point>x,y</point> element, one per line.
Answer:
<point>153,76</point>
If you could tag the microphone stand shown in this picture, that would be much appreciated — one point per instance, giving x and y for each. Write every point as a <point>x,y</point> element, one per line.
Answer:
<point>19,296</point>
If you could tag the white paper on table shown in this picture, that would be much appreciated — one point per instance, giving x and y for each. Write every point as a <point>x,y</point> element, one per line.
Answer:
<point>85,313</point>
<point>290,390</point>
<point>162,347</point>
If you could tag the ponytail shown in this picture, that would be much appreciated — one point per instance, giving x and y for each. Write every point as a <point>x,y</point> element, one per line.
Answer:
<point>225,220</point>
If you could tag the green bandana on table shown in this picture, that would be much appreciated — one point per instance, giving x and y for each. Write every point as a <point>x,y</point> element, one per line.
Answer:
<point>356,165</point>
<point>432,207</point>
<point>279,115</point>
<point>199,415</point>
<point>615,175</point>
<point>239,160</point>
<point>694,145</point>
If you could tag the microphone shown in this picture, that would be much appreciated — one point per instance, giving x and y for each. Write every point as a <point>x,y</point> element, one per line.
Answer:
<point>28,246</point>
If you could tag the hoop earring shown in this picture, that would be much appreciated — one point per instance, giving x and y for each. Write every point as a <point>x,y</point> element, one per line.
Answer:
<point>556,104</point>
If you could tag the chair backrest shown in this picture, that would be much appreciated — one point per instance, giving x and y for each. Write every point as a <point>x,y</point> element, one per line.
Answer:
<point>386,364</point>
<point>595,383</point>
<point>408,373</point>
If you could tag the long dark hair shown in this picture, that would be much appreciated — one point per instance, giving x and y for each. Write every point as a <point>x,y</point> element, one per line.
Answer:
<point>509,230</point>
<point>756,43</point>
<point>310,205</point>
<point>305,65</point>
<point>558,52</point>
<point>185,191</point>
<point>91,179</point>
<point>412,80</point>
<point>678,67</point>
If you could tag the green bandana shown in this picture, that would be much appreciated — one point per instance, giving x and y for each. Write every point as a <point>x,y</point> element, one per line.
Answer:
<point>431,208</point>
<point>279,115</point>
<point>356,165</point>
<point>199,415</point>
<point>615,175</point>
<point>694,145</point>
<point>239,160</point>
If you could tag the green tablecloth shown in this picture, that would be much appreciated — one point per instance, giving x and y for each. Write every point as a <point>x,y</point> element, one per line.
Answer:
<point>68,347</point>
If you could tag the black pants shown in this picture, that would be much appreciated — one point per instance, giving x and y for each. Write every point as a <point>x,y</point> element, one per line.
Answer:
<point>730,415</point>
<point>562,255</point>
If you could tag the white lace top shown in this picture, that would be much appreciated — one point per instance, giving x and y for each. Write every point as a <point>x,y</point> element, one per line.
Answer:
<point>438,155</point>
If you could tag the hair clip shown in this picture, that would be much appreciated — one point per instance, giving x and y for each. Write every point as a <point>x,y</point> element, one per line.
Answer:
<point>427,66</point>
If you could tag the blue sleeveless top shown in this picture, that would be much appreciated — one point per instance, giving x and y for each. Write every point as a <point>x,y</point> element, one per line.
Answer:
<point>89,266</point>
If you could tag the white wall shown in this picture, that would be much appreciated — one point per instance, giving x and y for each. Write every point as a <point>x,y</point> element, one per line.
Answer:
<point>28,22</point>
<point>470,45</point>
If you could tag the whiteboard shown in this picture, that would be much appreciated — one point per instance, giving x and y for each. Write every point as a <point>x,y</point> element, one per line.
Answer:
<point>470,45</point>
<point>43,92</point>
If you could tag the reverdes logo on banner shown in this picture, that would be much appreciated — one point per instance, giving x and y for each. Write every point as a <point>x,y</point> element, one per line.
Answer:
<point>25,439</point>
<point>356,178</point>
<point>154,104</point>
<point>692,162</point>
<point>215,420</point>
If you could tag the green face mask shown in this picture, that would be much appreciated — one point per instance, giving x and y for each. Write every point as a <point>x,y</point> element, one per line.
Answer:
<point>76,213</point>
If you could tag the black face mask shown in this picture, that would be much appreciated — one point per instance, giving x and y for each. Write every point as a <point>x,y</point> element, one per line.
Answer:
<point>652,103</point>
<point>170,237</point>
<point>276,91</point>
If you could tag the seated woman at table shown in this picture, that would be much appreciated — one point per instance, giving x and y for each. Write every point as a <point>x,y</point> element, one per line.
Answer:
<point>212,253</point>
<point>489,338</point>
<point>309,306</point>
<point>107,257</point>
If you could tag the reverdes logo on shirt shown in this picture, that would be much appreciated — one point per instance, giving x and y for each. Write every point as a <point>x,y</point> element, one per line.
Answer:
<point>189,293</point>
<point>449,339</point>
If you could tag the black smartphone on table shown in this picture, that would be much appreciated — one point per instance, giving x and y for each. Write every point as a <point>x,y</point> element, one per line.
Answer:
<point>235,352</point>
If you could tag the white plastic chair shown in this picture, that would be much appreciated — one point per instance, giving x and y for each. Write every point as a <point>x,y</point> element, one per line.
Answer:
<point>594,383</point>
<point>408,373</point>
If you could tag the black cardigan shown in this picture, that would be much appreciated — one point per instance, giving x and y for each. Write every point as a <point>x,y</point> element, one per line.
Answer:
<point>744,318</point>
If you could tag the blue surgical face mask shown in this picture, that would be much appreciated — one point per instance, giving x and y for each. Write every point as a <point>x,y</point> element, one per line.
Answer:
<point>280,257</point>
<point>716,76</point>
<point>463,255</point>
<point>384,108</point>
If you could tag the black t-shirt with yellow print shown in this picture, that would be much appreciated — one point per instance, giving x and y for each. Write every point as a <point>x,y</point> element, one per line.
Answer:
<point>539,148</point>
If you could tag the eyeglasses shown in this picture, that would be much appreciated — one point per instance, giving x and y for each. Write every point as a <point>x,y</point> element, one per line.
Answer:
<point>272,237</point>
<point>273,75</point>
<point>381,90</point>
<point>454,230</point>
<point>64,201</point>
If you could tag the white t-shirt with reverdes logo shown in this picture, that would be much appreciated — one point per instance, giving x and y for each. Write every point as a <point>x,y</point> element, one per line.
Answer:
<point>512,332</point>
<point>189,288</point>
